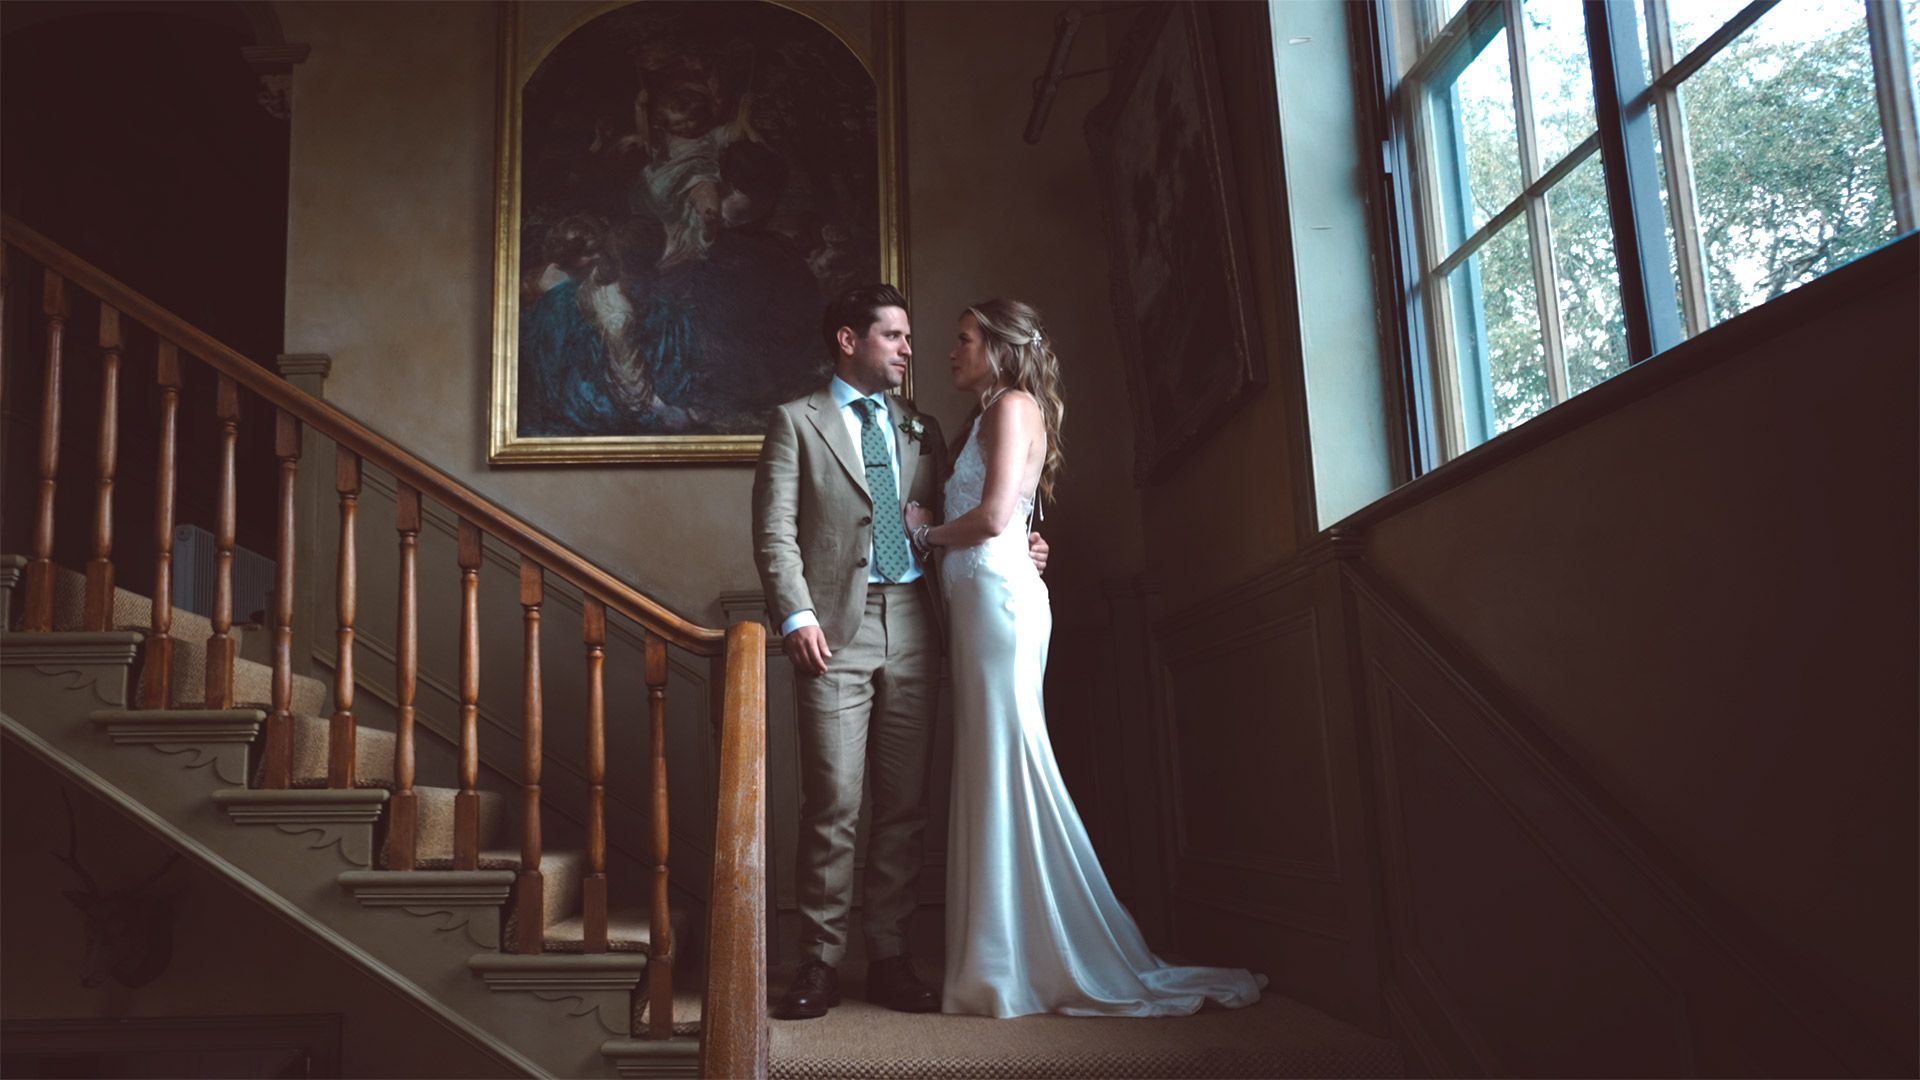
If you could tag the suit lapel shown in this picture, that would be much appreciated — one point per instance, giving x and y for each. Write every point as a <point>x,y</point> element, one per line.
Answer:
<point>908,449</point>
<point>832,428</point>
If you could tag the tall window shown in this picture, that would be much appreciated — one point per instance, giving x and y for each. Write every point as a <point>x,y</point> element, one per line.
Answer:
<point>1592,183</point>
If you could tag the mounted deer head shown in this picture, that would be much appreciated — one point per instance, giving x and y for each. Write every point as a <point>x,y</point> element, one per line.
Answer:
<point>129,930</point>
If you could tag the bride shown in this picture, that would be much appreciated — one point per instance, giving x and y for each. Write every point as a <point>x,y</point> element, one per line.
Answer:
<point>1032,925</point>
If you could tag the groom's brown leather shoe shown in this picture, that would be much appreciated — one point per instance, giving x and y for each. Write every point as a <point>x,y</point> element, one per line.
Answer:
<point>815,989</point>
<point>892,983</point>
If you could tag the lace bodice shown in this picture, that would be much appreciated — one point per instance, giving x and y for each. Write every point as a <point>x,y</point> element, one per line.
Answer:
<point>969,482</point>
<point>964,491</point>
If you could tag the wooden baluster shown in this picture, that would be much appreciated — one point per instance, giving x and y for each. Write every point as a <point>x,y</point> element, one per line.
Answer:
<point>403,812</point>
<point>593,890</point>
<point>99,602</point>
<point>6,341</point>
<point>39,613</point>
<point>529,901</point>
<point>660,926</point>
<point>220,647</point>
<point>156,679</point>
<point>340,734</point>
<point>466,805</point>
<point>278,767</point>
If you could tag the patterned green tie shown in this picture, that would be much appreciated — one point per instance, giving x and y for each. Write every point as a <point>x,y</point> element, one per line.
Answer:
<point>890,554</point>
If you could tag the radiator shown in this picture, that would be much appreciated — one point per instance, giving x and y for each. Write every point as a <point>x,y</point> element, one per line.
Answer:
<point>196,561</point>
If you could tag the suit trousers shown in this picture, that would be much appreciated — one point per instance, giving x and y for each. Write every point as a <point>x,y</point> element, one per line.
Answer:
<point>869,720</point>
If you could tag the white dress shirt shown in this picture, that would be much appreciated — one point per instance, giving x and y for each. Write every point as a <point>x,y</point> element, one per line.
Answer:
<point>844,395</point>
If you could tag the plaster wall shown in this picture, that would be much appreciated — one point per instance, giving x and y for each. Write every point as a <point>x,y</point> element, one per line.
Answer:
<point>390,273</point>
<point>390,254</point>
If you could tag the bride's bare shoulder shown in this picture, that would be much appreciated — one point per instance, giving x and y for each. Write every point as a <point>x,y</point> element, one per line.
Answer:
<point>1017,405</point>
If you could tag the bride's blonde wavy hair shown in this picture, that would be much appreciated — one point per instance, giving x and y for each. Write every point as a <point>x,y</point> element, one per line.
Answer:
<point>1022,357</point>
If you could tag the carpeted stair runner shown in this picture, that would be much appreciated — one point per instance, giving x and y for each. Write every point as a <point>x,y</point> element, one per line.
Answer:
<point>627,931</point>
<point>1277,1037</point>
<point>561,871</point>
<point>252,681</point>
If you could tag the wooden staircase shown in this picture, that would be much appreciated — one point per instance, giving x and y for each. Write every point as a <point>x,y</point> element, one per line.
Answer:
<point>289,754</point>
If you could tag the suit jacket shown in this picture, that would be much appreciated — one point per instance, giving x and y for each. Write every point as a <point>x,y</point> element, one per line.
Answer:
<point>813,515</point>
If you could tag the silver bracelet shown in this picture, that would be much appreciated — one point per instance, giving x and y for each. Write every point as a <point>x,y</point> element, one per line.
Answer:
<point>919,538</point>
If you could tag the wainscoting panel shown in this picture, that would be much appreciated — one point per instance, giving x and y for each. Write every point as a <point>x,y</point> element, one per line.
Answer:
<point>1533,931</point>
<point>1267,838</point>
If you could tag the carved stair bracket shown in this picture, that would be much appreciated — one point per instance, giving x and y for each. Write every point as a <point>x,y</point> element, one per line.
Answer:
<point>602,983</point>
<point>97,661</point>
<point>338,818</point>
<point>214,737</point>
<point>471,898</point>
<point>12,568</point>
<point>660,1058</point>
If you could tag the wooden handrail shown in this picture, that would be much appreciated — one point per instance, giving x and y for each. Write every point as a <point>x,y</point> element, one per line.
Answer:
<point>734,1036</point>
<point>735,1039</point>
<point>409,469</point>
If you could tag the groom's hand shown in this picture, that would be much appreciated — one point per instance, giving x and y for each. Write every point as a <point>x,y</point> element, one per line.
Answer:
<point>807,648</point>
<point>1037,551</point>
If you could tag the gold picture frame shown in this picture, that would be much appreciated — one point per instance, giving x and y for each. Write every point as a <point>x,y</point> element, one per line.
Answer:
<point>879,51</point>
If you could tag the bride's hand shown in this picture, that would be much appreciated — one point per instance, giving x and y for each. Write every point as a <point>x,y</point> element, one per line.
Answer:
<point>916,516</point>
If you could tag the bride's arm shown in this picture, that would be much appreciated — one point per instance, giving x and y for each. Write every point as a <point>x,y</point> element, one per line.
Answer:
<point>1007,431</point>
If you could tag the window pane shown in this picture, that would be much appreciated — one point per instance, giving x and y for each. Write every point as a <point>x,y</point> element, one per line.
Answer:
<point>1787,155</point>
<point>1503,373</point>
<point>1593,327</point>
<point>1477,138</point>
<point>1694,21</point>
<point>1558,74</point>
<point>1913,43</point>
<point>1666,220</point>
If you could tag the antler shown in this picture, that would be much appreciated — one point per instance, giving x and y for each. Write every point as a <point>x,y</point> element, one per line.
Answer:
<point>72,857</point>
<point>155,876</point>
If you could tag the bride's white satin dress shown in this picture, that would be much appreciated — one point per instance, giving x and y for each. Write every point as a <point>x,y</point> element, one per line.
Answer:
<point>1032,925</point>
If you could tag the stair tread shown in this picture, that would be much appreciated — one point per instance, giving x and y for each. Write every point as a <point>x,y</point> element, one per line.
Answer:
<point>628,930</point>
<point>563,858</point>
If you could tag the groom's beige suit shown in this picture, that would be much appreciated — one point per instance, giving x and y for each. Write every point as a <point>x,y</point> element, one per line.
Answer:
<point>870,718</point>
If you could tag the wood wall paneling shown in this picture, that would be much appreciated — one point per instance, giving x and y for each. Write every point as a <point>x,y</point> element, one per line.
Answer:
<point>1533,931</point>
<point>1269,864</point>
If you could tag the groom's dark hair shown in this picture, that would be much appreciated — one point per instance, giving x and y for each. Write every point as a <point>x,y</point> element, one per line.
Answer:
<point>857,309</point>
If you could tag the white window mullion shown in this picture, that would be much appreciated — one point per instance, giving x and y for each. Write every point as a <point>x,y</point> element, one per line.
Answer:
<point>1426,22</point>
<point>1431,228</point>
<point>1539,238</point>
<point>1893,86</point>
<point>1696,304</point>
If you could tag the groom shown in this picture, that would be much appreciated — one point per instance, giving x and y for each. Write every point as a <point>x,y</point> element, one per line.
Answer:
<point>858,622</point>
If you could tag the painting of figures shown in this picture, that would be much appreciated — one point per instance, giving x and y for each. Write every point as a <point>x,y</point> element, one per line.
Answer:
<point>694,179</point>
<point>1173,237</point>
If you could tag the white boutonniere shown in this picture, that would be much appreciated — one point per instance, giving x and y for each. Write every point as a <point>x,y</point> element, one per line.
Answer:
<point>913,428</point>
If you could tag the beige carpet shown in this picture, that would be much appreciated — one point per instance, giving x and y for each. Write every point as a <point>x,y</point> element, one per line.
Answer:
<point>1275,1038</point>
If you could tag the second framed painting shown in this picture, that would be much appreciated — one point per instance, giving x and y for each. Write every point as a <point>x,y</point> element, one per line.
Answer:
<point>681,187</point>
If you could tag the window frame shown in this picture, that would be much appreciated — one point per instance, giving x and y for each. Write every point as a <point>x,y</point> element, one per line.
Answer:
<point>1631,102</point>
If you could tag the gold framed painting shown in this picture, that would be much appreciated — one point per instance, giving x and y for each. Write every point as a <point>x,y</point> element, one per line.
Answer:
<point>682,185</point>
<point>1176,250</point>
